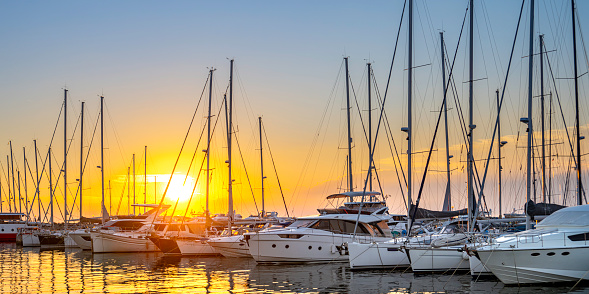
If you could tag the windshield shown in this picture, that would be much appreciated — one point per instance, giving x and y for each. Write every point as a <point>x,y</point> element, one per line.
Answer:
<point>566,218</point>
<point>302,223</point>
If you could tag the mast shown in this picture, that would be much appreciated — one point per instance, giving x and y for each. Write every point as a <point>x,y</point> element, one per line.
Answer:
<point>262,164</point>
<point>65,212</point>
<point>410,113</point>
<point>134,184</point>
<point>350,183</point>
<point>103,208</point>
<point>229,139</point>
<point>499,145</point>
<point>19,195</point>
<point>145,178</point>
<point>529,118</point>
<point>447,198</point>
<point>209,143</point>
<point>110,198</point>
<point>542,122</point>
<point>579,183</point>
<point>24,152</point>
<point>8,184</point>
<point>81,156</point>
<point>471,125</point>
<point>13,184</point>
<point>38,191</point>
<point>50,187</point>
<point>128,191</point>
<point>550,150</point>
<point>370,166</point>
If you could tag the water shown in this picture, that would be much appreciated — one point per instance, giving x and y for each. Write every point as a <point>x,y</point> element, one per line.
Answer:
<point>32,270</point>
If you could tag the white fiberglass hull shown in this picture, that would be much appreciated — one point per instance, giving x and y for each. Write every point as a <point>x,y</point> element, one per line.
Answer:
<point>82,239</point>
<point>231,246</point>
<point>477,268</point>
<point>307,248</point>
<point>377,255</point>
<point>195,246</point>
<point>530,266</point>
<point>108,242</point>
<point>30,240</point>
<point>443,259</point>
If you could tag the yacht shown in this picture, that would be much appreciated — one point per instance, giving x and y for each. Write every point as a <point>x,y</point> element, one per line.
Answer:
<point>322,238</point>
<point>9,225</point>
<point>557,250</point>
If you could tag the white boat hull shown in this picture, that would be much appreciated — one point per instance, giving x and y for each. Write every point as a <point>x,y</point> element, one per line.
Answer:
<point>377,255</point>
<point>477,268</point>
<point>443,259</point>
<point>233,246</point>
<point>191,246</point>
<point>519,266</point>
<point>309,248</point>
<point>108,242</point>
<point>82,239</point>
<point>30,240</point>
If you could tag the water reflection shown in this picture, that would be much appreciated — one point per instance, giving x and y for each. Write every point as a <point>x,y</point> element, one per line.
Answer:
<point>32,270</point>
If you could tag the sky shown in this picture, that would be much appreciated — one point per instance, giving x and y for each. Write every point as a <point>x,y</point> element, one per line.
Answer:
<point>151,62</point>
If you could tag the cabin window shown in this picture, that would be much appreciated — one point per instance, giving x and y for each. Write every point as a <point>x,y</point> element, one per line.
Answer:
<point>340,227</point>
<point>302,223</point>
<point>579,237</point>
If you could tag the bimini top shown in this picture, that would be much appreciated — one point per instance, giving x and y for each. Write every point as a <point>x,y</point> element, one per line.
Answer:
<point>352,194</point>
<point>574,216</point>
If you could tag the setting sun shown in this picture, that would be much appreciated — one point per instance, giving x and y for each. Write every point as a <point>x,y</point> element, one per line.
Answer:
<point>180,187</point>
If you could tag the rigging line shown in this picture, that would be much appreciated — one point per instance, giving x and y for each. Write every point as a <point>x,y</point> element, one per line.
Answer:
<point>201,165</point>
<point>476,213</point>
<point>247,174</point>
<point>581,34</point>
<point>380,117</point>
<point>199,138</point>
<point>122,195</point>
<point>390,138</point>
<point>275,171</point>
<point>180,153</point>
<point>358,108</point>
<point>419,194</point>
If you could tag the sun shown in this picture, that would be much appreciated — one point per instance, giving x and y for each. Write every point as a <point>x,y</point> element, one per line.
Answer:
<point>180,188</point>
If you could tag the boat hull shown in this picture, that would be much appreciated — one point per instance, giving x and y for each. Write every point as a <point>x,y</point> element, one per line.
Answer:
<point>195,246</point>
<point>233,246</point>
<point>30,240</point>
<point>377,255</point>
<point>82,239</point>
<point>531,266</point>
<point>166,245</point>
<point>443,259</point>
<point>8,231</point>
<point>105,242</point>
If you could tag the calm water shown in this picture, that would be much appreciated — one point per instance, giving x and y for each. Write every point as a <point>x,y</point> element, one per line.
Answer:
<point>32,270</point>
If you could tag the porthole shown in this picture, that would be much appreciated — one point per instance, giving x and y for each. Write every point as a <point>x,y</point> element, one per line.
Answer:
<point>310,247</point>
<point>12,230</point>
<point>2,230</point>
<point>319,248</point>
<point>286,246</point>
<point>273,245</point>
<point>566,253</point>
<point>550,253</point>
<point>535,254</point>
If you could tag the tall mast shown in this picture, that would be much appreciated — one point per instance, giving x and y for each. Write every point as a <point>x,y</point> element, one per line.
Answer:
<point>50,187</point>
<point>19,195</point>
<point>65,209</point>
<point>471,125</point>
<point>499,145</point>
<point>262,165</point>
<point>447,198</point>
<point>229,139</point>
<point>542,122</point>
<point>145,178</point>
<point>24,152</point>
<point>103,208</point>
<point>550,150</point>
<point>110,198</point>
<point>529,118</point>
<point>209,143</point>
<point>13,184</point>
<point>410,112</point>
<point>579,183</point>
<point>370,165</point>
<point>134,184</point>
<point>38,191</point>
<point>128,191</point>
<point>8,184</point>
<point>350,183</point>
<point>81,157</point>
